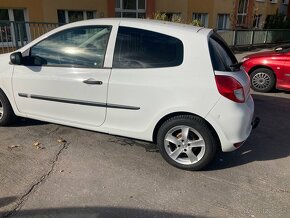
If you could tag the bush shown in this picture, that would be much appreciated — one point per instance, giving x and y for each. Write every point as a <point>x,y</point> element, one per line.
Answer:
<point>175,19</point>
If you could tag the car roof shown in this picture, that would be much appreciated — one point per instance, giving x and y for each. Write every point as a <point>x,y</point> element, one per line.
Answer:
<point>144,23</point>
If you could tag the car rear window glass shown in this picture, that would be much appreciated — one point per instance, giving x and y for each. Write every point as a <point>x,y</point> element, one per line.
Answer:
<point>221,55</point>
<point>79,47</point>
<point>137,48</point>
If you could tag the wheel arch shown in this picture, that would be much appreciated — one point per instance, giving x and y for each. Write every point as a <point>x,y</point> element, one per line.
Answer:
<point>261,66</point>
<point>168,116</point>
<point>10,99</point>
<point>3,92</point>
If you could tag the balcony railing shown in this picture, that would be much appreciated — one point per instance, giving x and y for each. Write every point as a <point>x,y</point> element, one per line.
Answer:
<point>14,35</point>
<point>237,38</point>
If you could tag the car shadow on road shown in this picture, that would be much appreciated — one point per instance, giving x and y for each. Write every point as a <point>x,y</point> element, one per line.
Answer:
<point>100,212</point>
<point>270,141</point>
<point>21,122</point>
<point>7,200</point>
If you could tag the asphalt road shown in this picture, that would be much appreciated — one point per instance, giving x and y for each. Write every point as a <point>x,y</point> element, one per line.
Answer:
<point>47,170</point>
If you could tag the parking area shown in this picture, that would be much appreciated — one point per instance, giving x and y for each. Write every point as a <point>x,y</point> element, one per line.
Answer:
<point>58,171</point>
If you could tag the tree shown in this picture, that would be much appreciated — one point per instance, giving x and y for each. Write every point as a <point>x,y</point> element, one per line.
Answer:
<point>277,21</point>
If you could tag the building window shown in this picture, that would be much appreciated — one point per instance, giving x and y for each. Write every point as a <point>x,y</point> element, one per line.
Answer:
<point>18,15</point>
<point>242,12</point>
<point>202,17</point>
<point>7,31</point>
<point>223,21</point>
<point>175,16</point>
<point>257,21</point>
<point>65,16</point>
<point>130,8</point>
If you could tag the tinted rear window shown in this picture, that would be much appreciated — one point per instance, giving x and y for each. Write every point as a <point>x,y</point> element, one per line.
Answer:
<point>221,55</point>
<point>137,48</point>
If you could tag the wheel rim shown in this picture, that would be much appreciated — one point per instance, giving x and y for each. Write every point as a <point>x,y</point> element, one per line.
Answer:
<point>261,81</point>
<point>184,145</point>
<point>1,110</point>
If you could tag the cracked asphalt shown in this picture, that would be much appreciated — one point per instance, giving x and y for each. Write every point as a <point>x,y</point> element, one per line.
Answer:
<point>48,170</point>
<point>79,173</point>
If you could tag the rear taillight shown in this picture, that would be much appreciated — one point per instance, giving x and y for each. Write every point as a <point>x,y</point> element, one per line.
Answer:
<point>230,88</point>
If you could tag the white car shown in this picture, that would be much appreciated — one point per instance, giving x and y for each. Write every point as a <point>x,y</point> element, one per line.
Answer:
<point>176,85</point>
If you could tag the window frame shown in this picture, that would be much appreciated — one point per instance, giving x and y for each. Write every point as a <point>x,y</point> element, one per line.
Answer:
<point>11,24</point>
<point>204,16</point>
<point>137,11</point>
<point>171,16</point>
<point>244,12</point>
<point>257,21</point>
<point>28,51</point>
<point>225,21</point>
<point>84,12</point>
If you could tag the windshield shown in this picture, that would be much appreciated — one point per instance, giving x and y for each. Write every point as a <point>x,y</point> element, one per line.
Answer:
<point>221,56</point>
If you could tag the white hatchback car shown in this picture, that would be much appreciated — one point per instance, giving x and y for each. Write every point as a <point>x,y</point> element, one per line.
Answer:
<point>176,85</point>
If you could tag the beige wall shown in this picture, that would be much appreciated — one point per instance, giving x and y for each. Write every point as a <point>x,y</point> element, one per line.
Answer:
<point>33,8</point>
<point>223,7</point>
<point>188,7</point>
<point>46,10</point>
<point>172,6</point>
<point>266,8</point>
<point>50,7</point>
<point>212,7</point>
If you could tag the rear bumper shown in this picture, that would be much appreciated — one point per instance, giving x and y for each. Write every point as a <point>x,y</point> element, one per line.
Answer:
<point>233,122</point>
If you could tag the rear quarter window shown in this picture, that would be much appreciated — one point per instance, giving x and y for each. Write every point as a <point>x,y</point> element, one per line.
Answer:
<point>221,55</point>
<point>137,48</point>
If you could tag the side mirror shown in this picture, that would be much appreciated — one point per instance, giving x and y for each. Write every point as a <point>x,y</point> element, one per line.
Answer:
<point>16,58</point>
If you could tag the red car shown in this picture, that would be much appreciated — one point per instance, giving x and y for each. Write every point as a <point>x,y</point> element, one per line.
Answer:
<point>269,69</point>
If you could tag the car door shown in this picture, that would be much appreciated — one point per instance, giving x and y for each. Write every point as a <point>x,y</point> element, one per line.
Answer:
<point>143,71</point>
<point>63,78</point>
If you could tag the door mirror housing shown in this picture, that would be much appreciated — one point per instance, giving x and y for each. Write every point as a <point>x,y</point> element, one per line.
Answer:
<point>16,58</point>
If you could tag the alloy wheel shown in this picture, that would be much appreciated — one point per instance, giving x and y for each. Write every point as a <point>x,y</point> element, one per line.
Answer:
<point>1,109</point>
<point>184,144</point>
<point>261,81</point>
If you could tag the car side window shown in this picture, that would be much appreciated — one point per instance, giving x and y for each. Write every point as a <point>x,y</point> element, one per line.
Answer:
<point>77,47</point>
<point>137,48</point>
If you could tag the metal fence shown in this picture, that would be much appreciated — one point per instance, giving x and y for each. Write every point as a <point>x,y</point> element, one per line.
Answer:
<point>254,37</point>
<point>14,35</point>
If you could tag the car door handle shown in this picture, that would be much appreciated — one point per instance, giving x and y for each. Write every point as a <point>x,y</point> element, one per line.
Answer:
<point>92,82</point>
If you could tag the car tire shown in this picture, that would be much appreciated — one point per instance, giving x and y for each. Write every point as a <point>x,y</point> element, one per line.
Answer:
<point>7,115</point>
<point>262,80</point>
<point>187,142</point>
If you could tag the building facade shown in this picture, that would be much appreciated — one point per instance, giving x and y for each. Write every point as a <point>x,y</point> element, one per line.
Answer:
<point>266,8</point>
<point>220,14</point>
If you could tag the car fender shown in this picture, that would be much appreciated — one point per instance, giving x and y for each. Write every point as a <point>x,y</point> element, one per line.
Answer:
<point>6,74</point>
